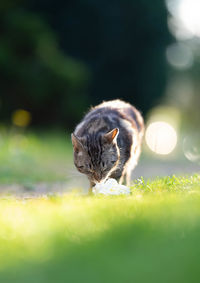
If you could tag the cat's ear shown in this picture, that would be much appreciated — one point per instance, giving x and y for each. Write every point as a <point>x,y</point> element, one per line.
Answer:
<point>111,136</point>
<point>76,143</point>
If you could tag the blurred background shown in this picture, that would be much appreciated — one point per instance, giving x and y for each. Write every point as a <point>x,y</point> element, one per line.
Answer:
<point>59,58</point>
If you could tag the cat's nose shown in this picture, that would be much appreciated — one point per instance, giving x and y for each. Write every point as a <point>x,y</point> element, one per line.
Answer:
<point>97,176</point>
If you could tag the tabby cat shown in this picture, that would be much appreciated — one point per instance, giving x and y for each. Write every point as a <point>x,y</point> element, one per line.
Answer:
<point>107,142</point>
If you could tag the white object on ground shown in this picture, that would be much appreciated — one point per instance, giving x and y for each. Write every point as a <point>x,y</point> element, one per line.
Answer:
<point>110,187</point>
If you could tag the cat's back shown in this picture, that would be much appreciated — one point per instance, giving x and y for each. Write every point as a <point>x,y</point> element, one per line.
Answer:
<point>108,115</point>
<point>124,110</point>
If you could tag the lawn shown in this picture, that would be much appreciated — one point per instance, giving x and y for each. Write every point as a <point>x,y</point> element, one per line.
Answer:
<point>28,159</point>
<point>150,236</point>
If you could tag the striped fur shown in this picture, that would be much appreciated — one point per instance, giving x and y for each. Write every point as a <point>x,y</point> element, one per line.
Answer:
<point>107,142</point>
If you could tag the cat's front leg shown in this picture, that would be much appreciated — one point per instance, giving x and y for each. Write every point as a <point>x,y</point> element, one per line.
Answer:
<point>128,177</point>
<point>92,184</point>
<point>121,179</point>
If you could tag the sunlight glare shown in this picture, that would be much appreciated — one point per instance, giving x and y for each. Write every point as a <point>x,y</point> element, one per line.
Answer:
<point>188,12</point>
<point>161,137</point>
<point>184,22</point>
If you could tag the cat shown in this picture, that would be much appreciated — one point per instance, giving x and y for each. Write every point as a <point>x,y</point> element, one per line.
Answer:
<point>107,142</point>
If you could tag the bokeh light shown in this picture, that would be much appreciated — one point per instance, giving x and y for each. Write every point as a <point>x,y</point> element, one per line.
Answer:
<point>21,118</point>
<point>191,147</point>
<point>161,137</point>
<point>188,12</point>
<point>179,56</point>
<point>185,21</point>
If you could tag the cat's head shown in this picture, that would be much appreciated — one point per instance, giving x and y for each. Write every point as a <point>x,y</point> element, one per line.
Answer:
<point>96,155</point>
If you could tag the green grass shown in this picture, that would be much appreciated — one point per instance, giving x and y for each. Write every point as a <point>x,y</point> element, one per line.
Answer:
<point>150,236</point>
<point>27,158</point>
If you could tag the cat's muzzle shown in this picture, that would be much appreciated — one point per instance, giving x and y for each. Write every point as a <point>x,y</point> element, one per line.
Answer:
<point>97,177</point>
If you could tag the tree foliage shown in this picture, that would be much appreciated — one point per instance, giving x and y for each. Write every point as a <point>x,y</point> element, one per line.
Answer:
<point>58,58</point>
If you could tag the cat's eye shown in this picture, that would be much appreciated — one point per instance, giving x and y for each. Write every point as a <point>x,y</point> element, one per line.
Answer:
<point>80,167</point>
<point>113,161</point>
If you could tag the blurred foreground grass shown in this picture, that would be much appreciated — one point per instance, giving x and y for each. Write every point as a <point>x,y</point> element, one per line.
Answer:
<point>150,236</point>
